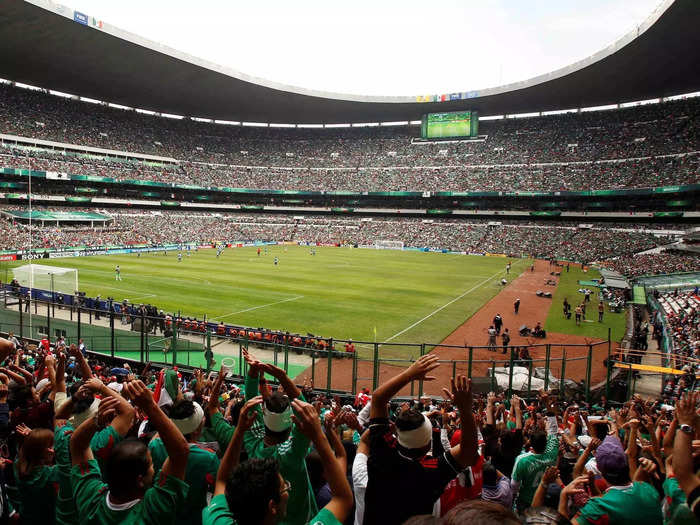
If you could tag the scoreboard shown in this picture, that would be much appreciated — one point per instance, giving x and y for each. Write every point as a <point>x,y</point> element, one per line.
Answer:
<point>450,125</point>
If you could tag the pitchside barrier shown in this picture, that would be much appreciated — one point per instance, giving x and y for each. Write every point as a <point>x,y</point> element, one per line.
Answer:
<point>144,339</point>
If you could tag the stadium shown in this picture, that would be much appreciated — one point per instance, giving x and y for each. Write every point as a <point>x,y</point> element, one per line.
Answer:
<point>178,220</point>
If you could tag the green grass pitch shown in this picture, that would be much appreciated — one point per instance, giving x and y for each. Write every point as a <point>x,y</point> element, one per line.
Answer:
<point>339,292</point>
<point>568,287</point>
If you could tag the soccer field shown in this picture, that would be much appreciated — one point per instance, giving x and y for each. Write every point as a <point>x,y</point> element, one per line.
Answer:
<point>339,292</point>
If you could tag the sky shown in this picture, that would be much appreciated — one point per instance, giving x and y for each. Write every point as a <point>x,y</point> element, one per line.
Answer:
<point>380,47</point>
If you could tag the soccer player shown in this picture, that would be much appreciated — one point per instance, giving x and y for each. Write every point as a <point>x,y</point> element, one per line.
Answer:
<point>179,257</point>
<point>258,252</point>
<point>117,274</point>
<point>276,261</point>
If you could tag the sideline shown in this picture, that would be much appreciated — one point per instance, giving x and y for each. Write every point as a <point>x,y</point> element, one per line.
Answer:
<point>499,272</point>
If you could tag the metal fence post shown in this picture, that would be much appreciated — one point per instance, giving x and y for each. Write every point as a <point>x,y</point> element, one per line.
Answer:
<point>589,366</point>
<point>529,376</point>
<point>329,349</point>
<point>313,370</point>
<point>21,323</point>
<point>286,356</point>
<point>510,376</point>
<point>375,366</point>
<point>78,327</point>
<point>354,373</point>
<point>420,383</point>
<point>143,329</point>
<point>493,376</point>
<point>471,359</point>
<point>609,369</point>
<point>209,353</point>
<point>454,369</point>
<point>48,322</point>
<point>174,344</point>
<point>547,355</point>
<point>111,330</point>
<point>240,358</point>
<point>563,372</point>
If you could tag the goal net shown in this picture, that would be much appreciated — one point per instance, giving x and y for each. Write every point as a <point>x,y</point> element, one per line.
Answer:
<point>50,278</point>
<point>388,245</point>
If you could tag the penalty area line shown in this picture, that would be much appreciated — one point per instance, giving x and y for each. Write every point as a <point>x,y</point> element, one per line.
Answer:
<point>500,272</point>
<point>257,307</point>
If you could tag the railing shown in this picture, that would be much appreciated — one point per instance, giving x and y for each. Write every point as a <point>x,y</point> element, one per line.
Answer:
<point>147,339</point>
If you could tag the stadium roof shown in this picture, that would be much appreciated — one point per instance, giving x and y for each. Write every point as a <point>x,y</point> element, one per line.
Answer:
<point>55,47</point>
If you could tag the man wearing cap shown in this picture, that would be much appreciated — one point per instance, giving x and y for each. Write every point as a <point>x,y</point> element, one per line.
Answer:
<point>202,463</point>
<point>624,502</point>
<point>403,480</point>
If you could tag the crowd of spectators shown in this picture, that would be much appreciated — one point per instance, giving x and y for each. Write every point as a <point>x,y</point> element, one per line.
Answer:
<point>681,312</point>
<point>92,441</point>
<point>561,240</point>
<point>666,261</point>
<point>643,146</point>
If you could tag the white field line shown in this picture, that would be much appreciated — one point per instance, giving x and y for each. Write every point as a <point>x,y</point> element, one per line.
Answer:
<point>499,272</point>
<point>258,307</point>
<point>142,297</point>
<point>123,290</point>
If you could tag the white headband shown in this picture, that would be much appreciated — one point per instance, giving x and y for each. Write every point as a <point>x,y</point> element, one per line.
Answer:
<point>277,421</point>
<point>190,424</point>
<point>418,437</point>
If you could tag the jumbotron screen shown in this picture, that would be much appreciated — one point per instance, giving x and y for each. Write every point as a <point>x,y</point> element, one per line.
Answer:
<point>450,125</point>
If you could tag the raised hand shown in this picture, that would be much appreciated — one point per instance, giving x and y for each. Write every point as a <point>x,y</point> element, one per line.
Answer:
<point>23,430</point>
<point>108,408</point>
<point>247,415</point>
<point>93,384</point>
<point>139,394</point>
<point>593,444</point>
<point>254,364</point>
<point>575,487</point>
<point>306,419</point>
<point>422,367</point>
<point>462,393</point>
<point>686,411</point>
<point>550,475</point>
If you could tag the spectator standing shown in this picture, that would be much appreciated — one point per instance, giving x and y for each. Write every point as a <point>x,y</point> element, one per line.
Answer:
<point>399,469</point>
<point>506,340</point>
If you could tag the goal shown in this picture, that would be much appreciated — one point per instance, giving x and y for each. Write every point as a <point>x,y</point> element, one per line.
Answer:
<point>388,245</point>
<point>50,278</point>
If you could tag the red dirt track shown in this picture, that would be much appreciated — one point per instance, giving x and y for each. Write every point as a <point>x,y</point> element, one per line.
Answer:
<point>474,332</point>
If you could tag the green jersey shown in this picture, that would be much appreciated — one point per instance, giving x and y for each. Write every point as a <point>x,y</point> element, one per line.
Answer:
<point>633,504</point>
<point>65,506</point>
<point>529,468</point>
<point>101,445</point>
<point>222,429</point>
<point>37,494</point>
<point>218,513</point>
<point>159,504</point>
<point>291,456</point>
<point>200,475</point>
<point>675,507</point>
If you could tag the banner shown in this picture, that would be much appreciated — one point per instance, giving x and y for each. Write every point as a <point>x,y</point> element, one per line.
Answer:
<point>54,175</point>
<point>10,257</point>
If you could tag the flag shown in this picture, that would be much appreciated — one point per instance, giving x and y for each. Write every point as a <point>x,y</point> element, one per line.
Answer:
<point>166,387</point>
